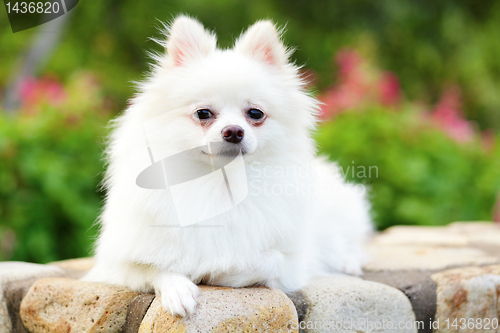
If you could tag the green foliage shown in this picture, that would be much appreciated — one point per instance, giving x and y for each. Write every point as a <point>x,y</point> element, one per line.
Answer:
<point>421,176</point>
<point>49,174</point>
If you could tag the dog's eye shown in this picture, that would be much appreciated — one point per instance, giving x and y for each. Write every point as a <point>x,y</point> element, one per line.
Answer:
<point>255,114</point>
<point>204,114</point>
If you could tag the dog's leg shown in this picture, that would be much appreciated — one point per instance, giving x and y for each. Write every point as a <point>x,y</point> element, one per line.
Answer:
<point>291,271</point>
<point>132,275</point>
<point>177,293</point>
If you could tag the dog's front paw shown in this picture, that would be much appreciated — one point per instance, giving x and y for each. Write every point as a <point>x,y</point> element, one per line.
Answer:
<point>177,293</point>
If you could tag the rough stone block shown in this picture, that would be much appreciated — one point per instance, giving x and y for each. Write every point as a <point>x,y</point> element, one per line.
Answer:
<point>399,257</point>
<point>465,294</point>
<point>75,268</point>
<point>434,248</point>
<point>15,280</point>
<point>136,312</point>
<point>455,234</point>
<point>350,304</point>
<point>227,310</point>
<point>66,305</point>
<point>417,286</point>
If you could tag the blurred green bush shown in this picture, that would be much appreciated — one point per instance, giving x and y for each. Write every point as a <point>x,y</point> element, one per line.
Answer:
<point>420,175</point>
<point>49,174</point>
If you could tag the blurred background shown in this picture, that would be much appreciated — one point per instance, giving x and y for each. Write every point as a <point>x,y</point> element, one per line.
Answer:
<point>410,89</point>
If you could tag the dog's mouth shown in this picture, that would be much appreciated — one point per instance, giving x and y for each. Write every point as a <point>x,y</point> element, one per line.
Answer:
<point>220,149</point>
<point>227,154</point>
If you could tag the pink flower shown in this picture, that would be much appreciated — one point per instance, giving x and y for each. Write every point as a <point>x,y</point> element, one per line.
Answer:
<point>358,84</point>
<point>389,89</point>
<point>34,92</point>
<point>448,116</point>
<point>350,89</point>
<point>348,61</point>
<point>52,90</point>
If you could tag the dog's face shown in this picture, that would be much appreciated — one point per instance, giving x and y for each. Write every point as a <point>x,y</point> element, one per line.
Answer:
<point>247,99</point>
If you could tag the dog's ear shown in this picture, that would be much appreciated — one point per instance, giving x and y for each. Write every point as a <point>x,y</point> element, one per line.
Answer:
<point>262,41</point>
<point>188,40</point>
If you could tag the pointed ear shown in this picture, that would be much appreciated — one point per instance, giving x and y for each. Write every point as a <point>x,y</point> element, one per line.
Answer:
<point>262,41</point>
<point>188,40</point>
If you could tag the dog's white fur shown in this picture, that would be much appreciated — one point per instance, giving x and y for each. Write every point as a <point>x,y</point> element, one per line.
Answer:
<point>290,227</point>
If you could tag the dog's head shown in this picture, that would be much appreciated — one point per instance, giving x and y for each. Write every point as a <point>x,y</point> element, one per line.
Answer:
<point>249,98</point>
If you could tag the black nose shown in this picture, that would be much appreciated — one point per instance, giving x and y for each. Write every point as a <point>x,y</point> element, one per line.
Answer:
<point>233,134</point>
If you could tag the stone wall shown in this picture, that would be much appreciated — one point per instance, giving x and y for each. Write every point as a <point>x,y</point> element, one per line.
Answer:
<point>419,279</point>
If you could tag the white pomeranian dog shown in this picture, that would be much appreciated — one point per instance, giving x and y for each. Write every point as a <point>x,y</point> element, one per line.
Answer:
<point>213,176</point>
